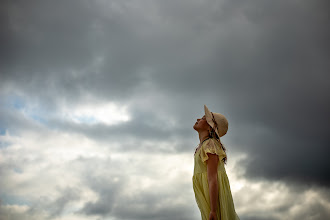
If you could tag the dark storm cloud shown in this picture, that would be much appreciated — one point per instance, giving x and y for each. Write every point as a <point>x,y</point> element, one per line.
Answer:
<point>56,45</point>
<point>268,70</point>
<point>266,64</point>
<point>283,102</point>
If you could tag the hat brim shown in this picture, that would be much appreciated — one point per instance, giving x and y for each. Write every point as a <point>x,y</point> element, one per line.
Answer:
<point>208,116</point>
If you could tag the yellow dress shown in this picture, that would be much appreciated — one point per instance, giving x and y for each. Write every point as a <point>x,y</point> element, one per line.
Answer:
<point>226,209</point>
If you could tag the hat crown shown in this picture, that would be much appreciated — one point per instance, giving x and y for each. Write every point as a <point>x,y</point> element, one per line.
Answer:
<point>222,123</point>
<point>221,126</point>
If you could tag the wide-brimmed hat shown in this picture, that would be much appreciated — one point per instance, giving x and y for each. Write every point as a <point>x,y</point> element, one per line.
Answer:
<point>217,121</point>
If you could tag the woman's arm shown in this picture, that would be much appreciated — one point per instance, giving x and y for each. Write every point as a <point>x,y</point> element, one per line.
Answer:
<point>212,177</point>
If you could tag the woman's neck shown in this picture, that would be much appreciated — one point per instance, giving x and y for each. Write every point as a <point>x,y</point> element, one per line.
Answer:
<point>203,136</point>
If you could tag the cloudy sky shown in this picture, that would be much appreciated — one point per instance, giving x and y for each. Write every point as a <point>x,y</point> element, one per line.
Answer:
<point>98,99</point>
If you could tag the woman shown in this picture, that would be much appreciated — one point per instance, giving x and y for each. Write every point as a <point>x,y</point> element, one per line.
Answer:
<point>210,181</point>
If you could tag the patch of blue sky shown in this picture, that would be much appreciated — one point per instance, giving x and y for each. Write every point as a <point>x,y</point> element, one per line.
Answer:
<point>18,170</point>
<point>38,116</point>
<point>3,144</point>
<point>13,101</point>
<point>86,119</point>
<point>19,103</point>
<point>2,130</point>
<point>8,199</point>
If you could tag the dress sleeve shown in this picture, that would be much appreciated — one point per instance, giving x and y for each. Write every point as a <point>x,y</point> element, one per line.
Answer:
<point>213,147</point>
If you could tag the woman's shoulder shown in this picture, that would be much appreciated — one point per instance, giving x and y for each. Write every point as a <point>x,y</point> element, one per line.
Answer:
<point>211,141</point>
<point>212,146</point>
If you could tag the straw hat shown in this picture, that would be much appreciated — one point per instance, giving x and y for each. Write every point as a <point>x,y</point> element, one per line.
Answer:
<point>217,121</point>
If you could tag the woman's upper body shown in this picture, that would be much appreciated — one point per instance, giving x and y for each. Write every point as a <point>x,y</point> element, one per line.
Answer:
<point>209,146</point>
<point>208,155</point>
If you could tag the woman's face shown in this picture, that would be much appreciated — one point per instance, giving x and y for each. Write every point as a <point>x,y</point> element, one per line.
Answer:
<point>201,124</point>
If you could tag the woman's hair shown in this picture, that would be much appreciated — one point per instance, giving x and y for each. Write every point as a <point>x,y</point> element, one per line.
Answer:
<point>213,134</point>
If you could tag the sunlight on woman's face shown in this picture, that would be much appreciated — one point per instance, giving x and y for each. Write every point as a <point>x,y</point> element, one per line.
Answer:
<point>201,124</point>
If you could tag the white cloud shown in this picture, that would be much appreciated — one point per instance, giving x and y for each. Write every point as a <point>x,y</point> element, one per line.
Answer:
<point>92,113</point>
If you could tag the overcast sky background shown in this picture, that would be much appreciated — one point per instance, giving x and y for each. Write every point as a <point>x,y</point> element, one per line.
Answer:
<point>98,99</point>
